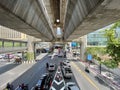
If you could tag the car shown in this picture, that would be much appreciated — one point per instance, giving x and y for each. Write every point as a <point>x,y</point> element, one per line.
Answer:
<point>18,55</point>
<point>60,54</point>
<point>9,56</point>
<point>71,86</point>
<point>44,82</point>
<point>67,72</point>
<point>65,63</point>
<point>2,56</point>
<point>50,55</point>
<point>51,67</point>
<point>48,82</point>
<point>78,53</point>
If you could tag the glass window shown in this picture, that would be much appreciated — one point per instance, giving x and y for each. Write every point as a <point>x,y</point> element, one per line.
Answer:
<point>8,44</point>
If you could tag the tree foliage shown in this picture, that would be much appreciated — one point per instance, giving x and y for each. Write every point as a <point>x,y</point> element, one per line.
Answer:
<point>110,63</point>
<point>113,46</point>
<point>95,50</point>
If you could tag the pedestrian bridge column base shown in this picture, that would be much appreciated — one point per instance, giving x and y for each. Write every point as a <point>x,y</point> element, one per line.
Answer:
<point>30,56</point>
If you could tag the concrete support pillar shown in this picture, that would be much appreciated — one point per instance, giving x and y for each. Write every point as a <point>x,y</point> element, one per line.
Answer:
<point>83,47</point>
<point>34,50</point>
<point>31,49</point>
<point>2,43</point>
<point>70,46</point>
<point>13,44</point>
<point>23,56</point>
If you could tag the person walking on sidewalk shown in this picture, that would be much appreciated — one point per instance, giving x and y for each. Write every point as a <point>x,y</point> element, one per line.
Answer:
<point>47,65</point>
<point>8,86</point>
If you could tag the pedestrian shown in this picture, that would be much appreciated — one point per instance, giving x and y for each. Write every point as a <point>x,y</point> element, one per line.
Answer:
<point>11,87</point>
<point>47,65</point>
<point>65,54</point>
<point>22,86</point>
<point>36,87</point>
<point>8,86</point>
<point>26,87</point>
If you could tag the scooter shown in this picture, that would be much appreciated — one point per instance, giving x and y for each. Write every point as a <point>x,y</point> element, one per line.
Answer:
<point>87,70</point>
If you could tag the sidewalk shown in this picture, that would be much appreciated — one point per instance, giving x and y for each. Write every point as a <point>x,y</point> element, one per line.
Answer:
<point>109,78</point>
<point>14,73</point>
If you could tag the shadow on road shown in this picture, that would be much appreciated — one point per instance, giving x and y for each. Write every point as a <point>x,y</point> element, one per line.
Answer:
<point>7,67</point>
<point>32,75</point>
<point>102,82</point>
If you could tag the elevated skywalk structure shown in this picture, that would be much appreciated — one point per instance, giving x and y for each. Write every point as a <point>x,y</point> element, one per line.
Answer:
<point>85,16</point>
<point>26,16</point>
<point>76,17</point>
<point>7,46</point>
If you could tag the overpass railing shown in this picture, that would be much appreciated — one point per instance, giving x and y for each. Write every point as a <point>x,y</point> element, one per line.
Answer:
<point>7,45</point>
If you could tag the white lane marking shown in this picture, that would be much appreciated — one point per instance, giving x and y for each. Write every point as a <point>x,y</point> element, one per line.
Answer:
<point>58,83</point>
<point>32,88</point>
<point>58,72</point>
<point>52,88</point>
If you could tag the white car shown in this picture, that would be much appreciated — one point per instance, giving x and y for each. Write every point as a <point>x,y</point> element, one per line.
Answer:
<point>66,63</point>
<point>71,86</point>
<point>60,54</point>
<point>51,67</point>
<point>50,55</point>
<point>2,56</point>
<point>67,72</point>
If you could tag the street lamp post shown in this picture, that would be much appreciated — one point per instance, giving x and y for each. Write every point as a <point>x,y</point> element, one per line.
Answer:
<point>100,63</point>
<point>100,66</point>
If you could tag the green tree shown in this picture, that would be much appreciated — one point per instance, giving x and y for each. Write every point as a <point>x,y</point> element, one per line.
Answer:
<point>95,51</point>
<point>113,46</point>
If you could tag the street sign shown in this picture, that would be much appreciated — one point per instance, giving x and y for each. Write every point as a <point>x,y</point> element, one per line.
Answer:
<point>73,44</point>
<point>89,57</point>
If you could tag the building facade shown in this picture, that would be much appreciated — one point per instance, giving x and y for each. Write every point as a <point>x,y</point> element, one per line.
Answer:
<point>8,33</point>
<point>96,38</point>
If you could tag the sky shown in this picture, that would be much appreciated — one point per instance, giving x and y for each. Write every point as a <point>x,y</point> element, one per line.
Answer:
<point>58,31</point>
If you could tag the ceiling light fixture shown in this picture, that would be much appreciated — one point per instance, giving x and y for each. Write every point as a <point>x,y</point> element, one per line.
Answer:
<point>57,20</point>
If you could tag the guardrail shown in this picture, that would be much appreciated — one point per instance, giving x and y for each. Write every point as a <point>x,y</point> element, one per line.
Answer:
<point>107,81</point>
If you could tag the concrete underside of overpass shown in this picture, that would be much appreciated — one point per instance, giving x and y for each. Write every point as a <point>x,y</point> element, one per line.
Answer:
<point>103,14</point>
<point>77,17</point>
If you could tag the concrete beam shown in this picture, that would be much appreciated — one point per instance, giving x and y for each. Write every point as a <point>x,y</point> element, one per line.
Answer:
<point>26,16</point>
<point>102,14</point>
<point>77,11</point>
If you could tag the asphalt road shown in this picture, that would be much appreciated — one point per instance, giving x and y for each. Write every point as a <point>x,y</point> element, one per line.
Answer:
<point>84,80</point>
